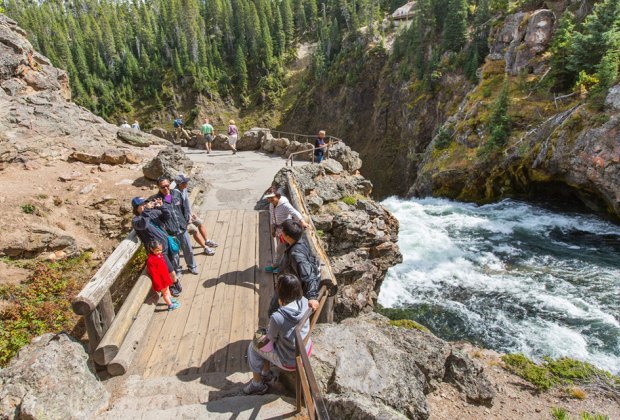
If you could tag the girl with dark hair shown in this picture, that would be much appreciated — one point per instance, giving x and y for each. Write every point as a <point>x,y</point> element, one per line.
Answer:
<point>279,348</point>
<point>158,270</point>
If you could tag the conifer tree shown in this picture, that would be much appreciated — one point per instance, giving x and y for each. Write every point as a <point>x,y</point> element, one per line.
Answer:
<point>499,122</point>
<point>562,50</point>
<point>455,26</point>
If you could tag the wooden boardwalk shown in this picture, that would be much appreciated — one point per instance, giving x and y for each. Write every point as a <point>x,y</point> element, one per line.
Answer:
<point>220,308</point>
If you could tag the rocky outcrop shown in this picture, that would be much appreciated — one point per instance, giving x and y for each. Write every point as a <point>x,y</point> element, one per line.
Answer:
<point>171,161</point>
<point>358,234</point>
<point>367,368</point>
<point>50,379</point>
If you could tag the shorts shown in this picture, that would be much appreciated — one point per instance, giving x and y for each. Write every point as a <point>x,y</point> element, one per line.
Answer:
<point>209,138</point>
<point>193,226</point>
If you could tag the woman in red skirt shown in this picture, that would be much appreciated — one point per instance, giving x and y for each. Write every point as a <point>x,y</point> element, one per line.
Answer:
<point>160,278</point>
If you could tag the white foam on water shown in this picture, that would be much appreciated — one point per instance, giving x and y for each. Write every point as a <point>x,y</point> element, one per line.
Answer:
<point>496,268</point>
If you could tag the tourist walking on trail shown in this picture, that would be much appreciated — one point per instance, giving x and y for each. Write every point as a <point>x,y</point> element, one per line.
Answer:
<point>161,281</point>
<point>176,225</point>
<point>149,223</point>
<point>320,147</point>
<point>299,260</point>
<point>179,129</point>
<point>280,209</point>
<point>207,132</point>
<point>278,347</point>
<point>195,226</point>
<point>233,136</point>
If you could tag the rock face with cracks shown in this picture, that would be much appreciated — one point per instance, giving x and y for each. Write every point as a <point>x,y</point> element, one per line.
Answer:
<point>50,379</point>
<point>367,368</point>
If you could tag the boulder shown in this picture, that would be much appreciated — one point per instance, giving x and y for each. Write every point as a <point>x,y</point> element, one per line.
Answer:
<point>366,367</point>
<point>280,145</point>
<point>268,143</point>
<point>113,157</point>
<point>348,158</point>
<point>137,138</point>
<point>469,378</point>
<point>37,239</point>
<point>220,142</point>
<point>170,161</point>
<point>332,166</point>
<point>162,134</point>
<point>251,140</point>
<point>50,378</point>
<point>91,157</point>
<point>613,98</point>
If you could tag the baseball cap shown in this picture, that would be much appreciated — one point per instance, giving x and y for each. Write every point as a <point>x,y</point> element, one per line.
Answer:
<point>181,179</point>
<point>269,195</point>
<point>137,201</point>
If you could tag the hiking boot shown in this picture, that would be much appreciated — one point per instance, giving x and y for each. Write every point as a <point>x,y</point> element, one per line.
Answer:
<point>272,269</point>
<point>209,251</point>
<point>212,244</point>
<point>255,389</point>
<point>175,305</point>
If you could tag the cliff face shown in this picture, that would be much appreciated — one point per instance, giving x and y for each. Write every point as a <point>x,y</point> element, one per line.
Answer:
<point>557,147</point>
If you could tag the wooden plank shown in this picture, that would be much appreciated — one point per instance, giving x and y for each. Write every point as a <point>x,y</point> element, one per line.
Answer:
<point>121,363</point>
<point>198,356</point>
<point>215,350</point>
<point>264,281</point>
<point>243,313</point>
<point>108,347</point>
<point>90,296</point>
<point>191,330</point>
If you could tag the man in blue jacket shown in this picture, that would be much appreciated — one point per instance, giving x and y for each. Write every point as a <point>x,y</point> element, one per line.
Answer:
<point>176,225</point>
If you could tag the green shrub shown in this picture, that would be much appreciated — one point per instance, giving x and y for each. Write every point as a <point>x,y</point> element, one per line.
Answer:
<point>28,208</point>
<point>538,376</point>
<point>351,201</point>
<point>409,325</point>
<point>559,413</point>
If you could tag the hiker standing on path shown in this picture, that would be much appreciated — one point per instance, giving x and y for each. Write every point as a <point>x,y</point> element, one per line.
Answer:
<point>207,131</point>
<point>320,146</point>
<point>233,136</point>
<point>176,225</point>
<point>179,130</point>
<point>280,209</point>
<point>300,261</point>
<point>195,226</point>
<point>149,223</point>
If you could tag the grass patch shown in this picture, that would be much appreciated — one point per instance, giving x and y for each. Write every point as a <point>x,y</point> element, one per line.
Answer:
<point>41,304</point>
<point>320,233</point>
<point>562,371</point>
<point>559,413</point>
<point>350,200</point>
<point>409,325</point>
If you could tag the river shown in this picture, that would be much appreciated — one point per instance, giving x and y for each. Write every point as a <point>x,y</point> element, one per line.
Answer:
<point>510,276</point>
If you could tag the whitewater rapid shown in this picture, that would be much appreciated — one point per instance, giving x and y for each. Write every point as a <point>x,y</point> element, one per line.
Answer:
<point>510,276</point>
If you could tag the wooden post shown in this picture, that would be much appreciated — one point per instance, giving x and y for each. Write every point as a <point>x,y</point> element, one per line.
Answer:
<point>327,314</point>
<point>99,320</point>
<point>121,363</point>
<point>111,342</point>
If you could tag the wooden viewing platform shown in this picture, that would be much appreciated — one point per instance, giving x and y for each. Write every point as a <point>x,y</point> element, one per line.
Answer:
<point>220,308</point>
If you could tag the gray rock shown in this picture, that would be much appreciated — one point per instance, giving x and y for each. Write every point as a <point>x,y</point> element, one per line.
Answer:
<point>220,142</point>
<point>170,161</point>
<point>348,158</point>
<point>613,98</point>
<point>162,134</point>
<point>249,141</point>
<point>365,368</point>
<point>50,378</point>
<point>88,188</point>
<point>36,239</point>
<point>332,167</point>
<point>469,378</point>
<point>137,138</point>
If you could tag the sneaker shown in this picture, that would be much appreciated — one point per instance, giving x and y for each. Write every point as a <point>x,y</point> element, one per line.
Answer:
<point>194,271</point>
<point>173,300</point>
<point>212,244</point>
<point>255,389</point>
<point>175,305</point>
<point>272,269</point>
<point>174,292</point>
<point>267,378</point>
<point>209,251</point>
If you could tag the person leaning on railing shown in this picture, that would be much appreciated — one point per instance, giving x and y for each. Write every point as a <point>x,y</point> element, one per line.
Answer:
<point>300,261</point>
<point>278,346</point>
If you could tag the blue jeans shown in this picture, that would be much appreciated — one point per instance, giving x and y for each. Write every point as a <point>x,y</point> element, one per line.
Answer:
<point>188,252</point>
<point>318,156</point>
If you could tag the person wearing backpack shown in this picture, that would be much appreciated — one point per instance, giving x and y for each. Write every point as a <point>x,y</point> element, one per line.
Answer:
<point>300,261</point>
<point>179,130</point>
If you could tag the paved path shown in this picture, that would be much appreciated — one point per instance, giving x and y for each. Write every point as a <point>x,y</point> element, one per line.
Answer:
<point>236,181</point>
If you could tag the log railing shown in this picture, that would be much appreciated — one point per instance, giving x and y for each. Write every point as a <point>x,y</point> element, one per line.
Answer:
<point>112,337</point>
<point>306,387</point>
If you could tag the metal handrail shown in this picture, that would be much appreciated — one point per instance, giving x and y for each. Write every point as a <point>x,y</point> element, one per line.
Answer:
<point>326,147</point>
<point>305,383</point>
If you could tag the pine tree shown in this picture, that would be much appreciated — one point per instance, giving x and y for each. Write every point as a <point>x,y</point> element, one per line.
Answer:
<point>562,49</point>
<point>499,122</point>
<point>287,22</point>
<point>455,27</point>
<point>241,70</point>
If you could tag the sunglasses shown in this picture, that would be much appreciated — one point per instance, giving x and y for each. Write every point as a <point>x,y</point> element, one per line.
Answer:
<point>163,187</point>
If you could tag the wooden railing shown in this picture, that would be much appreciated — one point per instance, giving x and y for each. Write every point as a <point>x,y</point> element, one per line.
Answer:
<point>112,337</point>
<point>306,387</point>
